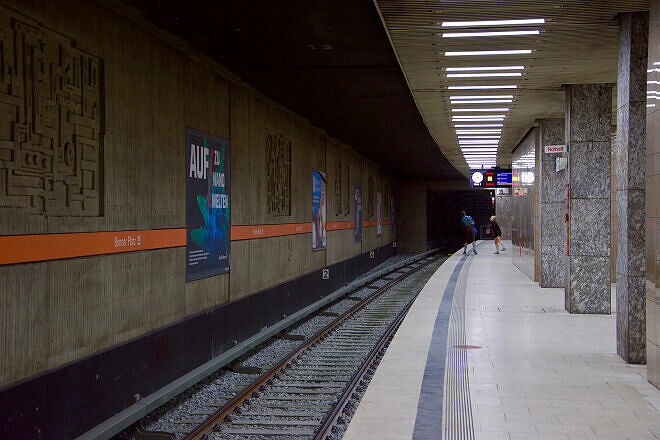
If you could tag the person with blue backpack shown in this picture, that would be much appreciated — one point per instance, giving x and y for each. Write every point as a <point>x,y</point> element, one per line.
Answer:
<point>470,231</point>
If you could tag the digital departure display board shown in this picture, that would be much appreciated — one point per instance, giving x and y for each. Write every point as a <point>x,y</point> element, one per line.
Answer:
<point>504,178</point>
<point>492,178</point>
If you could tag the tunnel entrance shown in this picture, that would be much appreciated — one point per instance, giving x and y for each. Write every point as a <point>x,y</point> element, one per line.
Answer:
<point>443,215</point>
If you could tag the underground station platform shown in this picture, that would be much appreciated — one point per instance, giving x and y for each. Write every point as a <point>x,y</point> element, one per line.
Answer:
<point>347,219</point>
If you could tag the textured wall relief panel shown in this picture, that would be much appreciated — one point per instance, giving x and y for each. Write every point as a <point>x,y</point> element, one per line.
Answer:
<point>338,185</point>
<point>51,122</point>
<point>371,197</point>
<point>386,201</point>
<point>278,171</point>
<point>347,190</point>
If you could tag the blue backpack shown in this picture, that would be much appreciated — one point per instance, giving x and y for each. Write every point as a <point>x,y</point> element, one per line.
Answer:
<point>467,221</point>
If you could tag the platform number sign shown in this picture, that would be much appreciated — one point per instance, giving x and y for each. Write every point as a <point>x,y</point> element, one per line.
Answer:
<point>372,255</point>
<point>325,274</point>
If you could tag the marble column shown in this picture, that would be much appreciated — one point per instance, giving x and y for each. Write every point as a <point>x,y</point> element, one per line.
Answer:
<point>552,206</point>
<point>630,188</point>
<point>588,125</point>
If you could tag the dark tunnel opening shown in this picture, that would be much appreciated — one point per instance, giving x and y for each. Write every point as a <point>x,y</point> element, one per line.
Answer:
<point>443,215</point>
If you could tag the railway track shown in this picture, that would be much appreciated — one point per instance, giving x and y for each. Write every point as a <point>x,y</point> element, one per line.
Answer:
<point>311,391</point>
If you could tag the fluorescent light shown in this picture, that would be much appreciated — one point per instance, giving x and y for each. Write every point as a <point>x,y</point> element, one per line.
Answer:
<point>488,34</point>
<point>477,125</point>
<point>464,119</point>
<point>480,110</point>
<point>457,97</point>
<point>483,101</point>
<point>477,150</point>
<point>477,131</point>
<point>488,52</point>
<point>493,22</point>
<point>650,105</point>
<point>465,136</point>
<point>468,117</point>
<point>482,75</point>
<point>478,141</point>
<point>464,69</point>
<point>509,86</point>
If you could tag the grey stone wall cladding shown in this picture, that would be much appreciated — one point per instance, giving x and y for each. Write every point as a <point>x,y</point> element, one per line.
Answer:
<point>588,126</point>
<point>553,195</point>
<point>630,187</point>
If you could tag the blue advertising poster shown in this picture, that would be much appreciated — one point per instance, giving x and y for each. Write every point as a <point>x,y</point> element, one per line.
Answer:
<point>319,188</point>
<point>357,198</point>
<point>208,221</point>
<point>379,214</point>
<point>392,216</point>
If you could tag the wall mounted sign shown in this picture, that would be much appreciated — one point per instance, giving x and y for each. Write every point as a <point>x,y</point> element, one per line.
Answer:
<point>561,163</point>
<point>208,219</point>
<point>504,178</point>
<point>492,178</point>
<point>555,149</point>
<point>476,179</point>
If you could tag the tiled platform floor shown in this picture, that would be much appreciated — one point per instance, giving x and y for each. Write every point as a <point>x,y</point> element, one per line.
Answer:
<point>541,373</point>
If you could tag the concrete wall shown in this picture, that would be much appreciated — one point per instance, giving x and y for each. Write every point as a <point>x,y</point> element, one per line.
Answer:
<point>653,207</point>
<point>411,230</point>
<point>525,205</point>
<point>56,312</point>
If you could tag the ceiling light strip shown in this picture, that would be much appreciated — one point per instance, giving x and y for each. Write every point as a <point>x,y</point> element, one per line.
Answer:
<point>517,22</point>
<point>467,69</point>
<point>501,109</point>
<point>505,86</point>
<point>477,125</point>
<point>458,97</point>
<point>482,101</point>
<point>467,53</point>
<point>482,75</point>
<point>488,34</point>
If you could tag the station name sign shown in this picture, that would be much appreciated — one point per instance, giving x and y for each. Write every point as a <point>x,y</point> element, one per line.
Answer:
<point>555,148</point>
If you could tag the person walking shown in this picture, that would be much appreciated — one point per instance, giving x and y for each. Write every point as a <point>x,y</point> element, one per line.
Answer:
<point>497,234</point>
<point>468,226</point>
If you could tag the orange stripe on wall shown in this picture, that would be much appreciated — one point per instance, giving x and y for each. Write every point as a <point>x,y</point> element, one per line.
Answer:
<point>42,247</point>
<point>263,231</point>
<point>26,248</point>
<point>335,226</point>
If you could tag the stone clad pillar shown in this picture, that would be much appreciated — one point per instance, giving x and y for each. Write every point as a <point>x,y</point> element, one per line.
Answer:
<point>588,125</point>
<point>630,187</point>
<point>552,206</point>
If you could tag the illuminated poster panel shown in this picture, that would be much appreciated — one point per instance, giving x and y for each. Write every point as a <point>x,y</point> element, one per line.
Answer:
<point>319,196</point>
<point>208,219</point>
<point>357,199</point>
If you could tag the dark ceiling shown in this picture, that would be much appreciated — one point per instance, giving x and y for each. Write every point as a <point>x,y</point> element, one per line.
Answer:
<point>328,60</point>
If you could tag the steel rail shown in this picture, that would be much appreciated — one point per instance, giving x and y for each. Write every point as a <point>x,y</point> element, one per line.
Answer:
<point>331,420</point>
<point>217,417</point>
